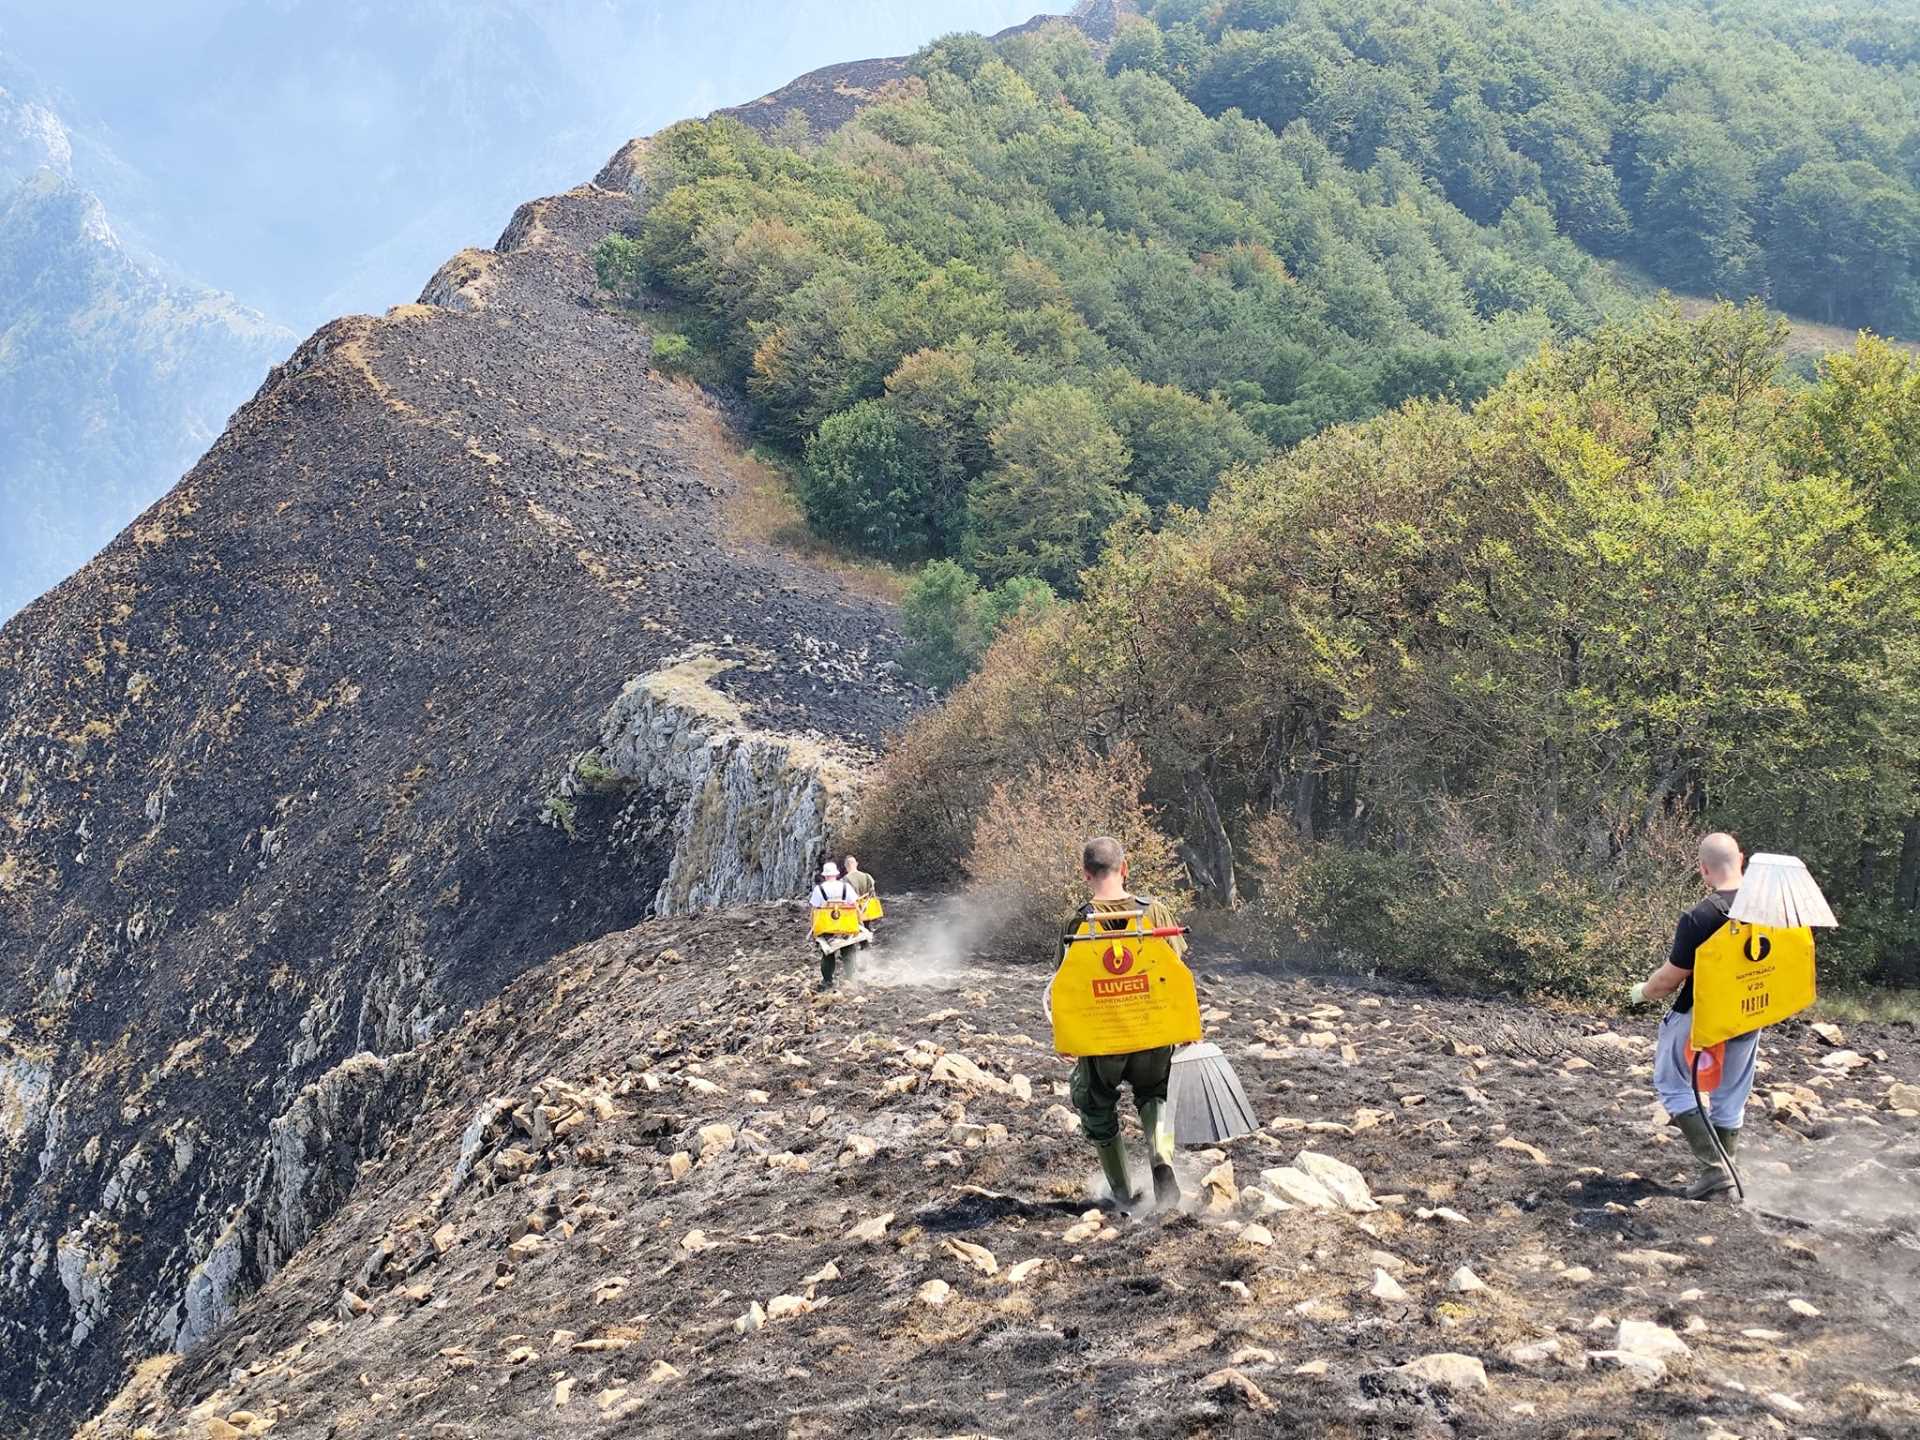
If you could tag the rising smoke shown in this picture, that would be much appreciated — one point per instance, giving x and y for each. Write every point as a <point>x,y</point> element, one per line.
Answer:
<point>943,946</point>
<point>1856,1199</point>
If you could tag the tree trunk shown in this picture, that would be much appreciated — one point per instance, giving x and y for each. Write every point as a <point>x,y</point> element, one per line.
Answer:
<point>1906,884</point>
<point>1215,848</point>
<point>1306,785</point>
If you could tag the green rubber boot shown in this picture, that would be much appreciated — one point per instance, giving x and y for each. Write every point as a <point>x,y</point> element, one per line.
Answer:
<point>1159,1127</point>
<point>826,971</point>
<point>1113,1163</point>
<point>1729,1139</point>
<point>1713,1176</point>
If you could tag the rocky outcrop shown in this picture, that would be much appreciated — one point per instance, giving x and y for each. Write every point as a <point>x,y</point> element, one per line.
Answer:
<point>314,1149</point>
<point>746,814</point>
<point>25,1079</point>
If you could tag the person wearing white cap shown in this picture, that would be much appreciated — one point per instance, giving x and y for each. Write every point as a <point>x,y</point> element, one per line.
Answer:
<point>831,890</point>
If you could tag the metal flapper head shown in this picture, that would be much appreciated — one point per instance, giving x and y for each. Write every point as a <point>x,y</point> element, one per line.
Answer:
<point>1208,1104</point>
<point>1779,890</point>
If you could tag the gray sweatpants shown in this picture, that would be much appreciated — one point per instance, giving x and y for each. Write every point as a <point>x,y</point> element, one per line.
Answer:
<point>1727,1104</point>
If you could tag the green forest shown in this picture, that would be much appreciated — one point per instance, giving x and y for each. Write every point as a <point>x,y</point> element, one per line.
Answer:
<point>1037,291</point>
<point>1269,408</point>
<point>1024,299</point>
<point>1458,689</point>
<point>1747,148</point>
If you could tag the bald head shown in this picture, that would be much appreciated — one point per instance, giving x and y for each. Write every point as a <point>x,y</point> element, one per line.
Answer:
<point>1720,860</point>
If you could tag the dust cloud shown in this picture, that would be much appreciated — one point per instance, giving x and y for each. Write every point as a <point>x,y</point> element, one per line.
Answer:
<point>939,948</point>
<point>1856,1198</point>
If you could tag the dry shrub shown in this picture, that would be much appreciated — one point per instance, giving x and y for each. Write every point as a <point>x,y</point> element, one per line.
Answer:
<point>1026,844</point>
<point>1639,900</point>
<point>919,811</point>
<point>1466,909</point>
<point>1275,857</point>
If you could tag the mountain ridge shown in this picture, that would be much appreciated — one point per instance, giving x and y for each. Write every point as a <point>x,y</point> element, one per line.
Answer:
<point>287,759</point>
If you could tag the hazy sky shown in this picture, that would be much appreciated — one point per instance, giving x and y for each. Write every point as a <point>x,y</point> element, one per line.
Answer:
<point>322,156</point>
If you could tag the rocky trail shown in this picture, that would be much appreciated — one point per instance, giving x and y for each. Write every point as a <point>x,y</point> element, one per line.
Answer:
<point>660,1185</point>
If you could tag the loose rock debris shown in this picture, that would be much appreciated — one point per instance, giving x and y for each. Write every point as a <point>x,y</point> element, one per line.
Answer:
<point>622,1253</point>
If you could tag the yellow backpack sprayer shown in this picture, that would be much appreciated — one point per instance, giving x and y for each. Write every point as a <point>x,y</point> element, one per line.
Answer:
<point>1756,970</point>
<point>837,926</point>
<point>1121,988</point>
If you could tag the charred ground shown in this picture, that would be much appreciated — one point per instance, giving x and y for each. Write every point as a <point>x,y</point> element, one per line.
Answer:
<point>667,1130</point>
<point>271,767</point>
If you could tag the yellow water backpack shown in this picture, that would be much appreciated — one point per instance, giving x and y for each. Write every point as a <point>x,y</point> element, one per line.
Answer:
<point>841,919</point>
<point>1121,986</point>
<point>1749,976</point>
<point>870,908</point>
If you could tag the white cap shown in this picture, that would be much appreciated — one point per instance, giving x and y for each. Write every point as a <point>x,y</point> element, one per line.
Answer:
<point>829,871</point>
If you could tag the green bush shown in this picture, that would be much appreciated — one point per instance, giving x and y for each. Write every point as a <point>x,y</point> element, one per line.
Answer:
<point>671,350</point>
<point>1469,910</point>
<point>1056,490</point>
<point>950,619</point>
<point>867,480</point>
<point>620,267</point>
<point>592,775</point>
<point>941,619</point>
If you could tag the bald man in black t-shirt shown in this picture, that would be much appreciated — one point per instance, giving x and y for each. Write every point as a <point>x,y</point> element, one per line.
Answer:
<point>1721,867</point>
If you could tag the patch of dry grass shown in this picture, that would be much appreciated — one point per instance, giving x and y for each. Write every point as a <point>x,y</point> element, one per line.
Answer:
<point>1806,340</point>
<point>1870,1004</point>
<point>763,510</point>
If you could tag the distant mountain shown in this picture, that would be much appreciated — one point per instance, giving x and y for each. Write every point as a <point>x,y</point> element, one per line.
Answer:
<point>113,378</point>
<point>115,373</point>
<point>322,156</point>
<point>312,157</point>
<point>31,135</point>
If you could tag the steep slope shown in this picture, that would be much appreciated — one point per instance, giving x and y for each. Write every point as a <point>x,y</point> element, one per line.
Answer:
<point>113,379</point>
<point>313,157</point>
<point>275,763</point>
<point>658,1188</point>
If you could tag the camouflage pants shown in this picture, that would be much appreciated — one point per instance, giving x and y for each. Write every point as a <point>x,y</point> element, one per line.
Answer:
<point>1096,1087</point>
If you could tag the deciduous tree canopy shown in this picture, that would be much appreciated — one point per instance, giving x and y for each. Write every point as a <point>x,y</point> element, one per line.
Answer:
<point>1023,298</point>
<point>1757,147</point>
<point>1457,676</point>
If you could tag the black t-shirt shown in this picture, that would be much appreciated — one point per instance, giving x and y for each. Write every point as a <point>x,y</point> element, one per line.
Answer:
<point>1696,927</point>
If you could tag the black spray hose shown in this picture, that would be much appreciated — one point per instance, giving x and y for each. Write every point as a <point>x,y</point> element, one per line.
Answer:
<point>1713,1131</point>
